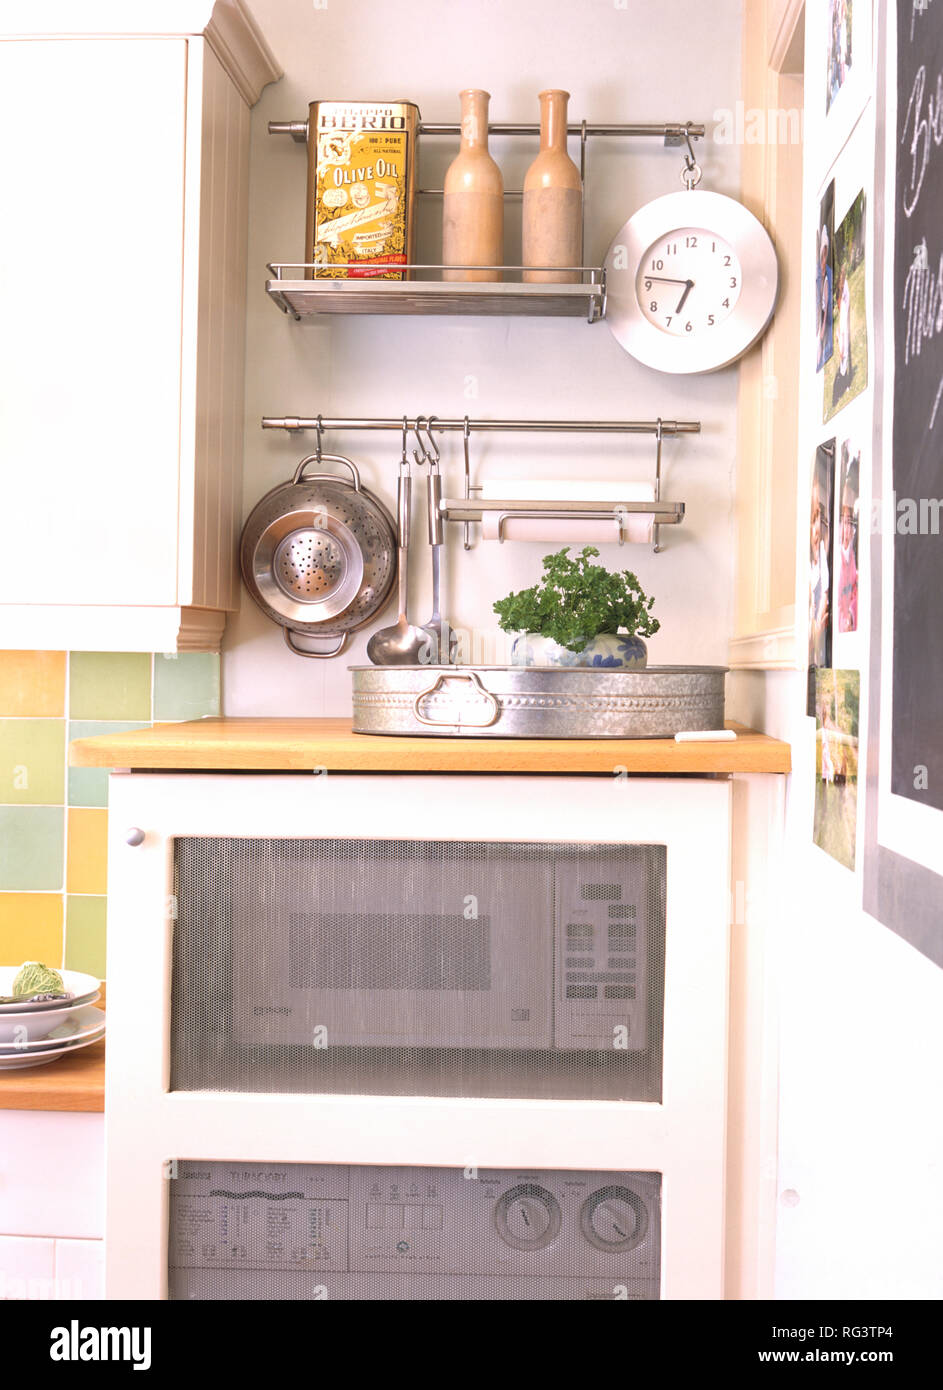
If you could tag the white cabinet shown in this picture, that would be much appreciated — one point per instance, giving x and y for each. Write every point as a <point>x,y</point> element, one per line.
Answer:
<point>122,293</point>
<point>51,1173</point>
<point>52,1179</point>
<point>253,905</point>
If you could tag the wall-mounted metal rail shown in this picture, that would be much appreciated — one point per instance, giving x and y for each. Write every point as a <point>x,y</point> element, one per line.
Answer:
<point>472,507</point>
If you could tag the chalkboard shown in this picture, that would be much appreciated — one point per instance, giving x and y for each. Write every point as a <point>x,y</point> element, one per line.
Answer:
<point>917,721</point>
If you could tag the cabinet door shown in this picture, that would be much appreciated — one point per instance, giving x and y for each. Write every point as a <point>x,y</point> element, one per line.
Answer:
<point>91,270</point>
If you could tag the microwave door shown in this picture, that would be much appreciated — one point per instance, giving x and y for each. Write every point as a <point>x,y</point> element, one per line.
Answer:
<point>396,944</point>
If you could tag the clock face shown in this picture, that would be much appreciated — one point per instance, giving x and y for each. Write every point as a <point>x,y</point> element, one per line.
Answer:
<point>689,281</point>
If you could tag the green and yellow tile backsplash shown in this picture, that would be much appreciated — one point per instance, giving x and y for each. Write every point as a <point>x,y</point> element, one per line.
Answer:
<point>53,818</point>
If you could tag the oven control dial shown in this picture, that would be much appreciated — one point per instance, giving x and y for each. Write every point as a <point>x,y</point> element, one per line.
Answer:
<point>614,1218</point>
<point>527,1217</point>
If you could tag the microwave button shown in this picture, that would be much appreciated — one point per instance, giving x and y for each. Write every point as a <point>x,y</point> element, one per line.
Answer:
<point>621,963</point>
<point>581,992</point>
<point>579,929</point>
<point>623,910</point>
<point>394,1216</point>
<point>586,961</point>
<point>412,1217</point>
<point>624,929</point>
<point>596,892</point>
<point>376,1216</point>
<point>620,991</point>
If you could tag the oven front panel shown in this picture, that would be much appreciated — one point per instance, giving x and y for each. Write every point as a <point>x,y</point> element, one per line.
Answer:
<point>315,1231</point>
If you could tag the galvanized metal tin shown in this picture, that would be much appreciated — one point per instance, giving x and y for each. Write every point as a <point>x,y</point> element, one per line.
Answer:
<point>537,701</point>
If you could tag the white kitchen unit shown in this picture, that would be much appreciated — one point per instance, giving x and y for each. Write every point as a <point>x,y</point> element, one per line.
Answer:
<point>52,1189</point>
<point>123,298</point>
<point>324,990</point>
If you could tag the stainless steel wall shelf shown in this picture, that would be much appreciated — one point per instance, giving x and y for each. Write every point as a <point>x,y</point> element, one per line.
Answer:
<point>302,296</point>
<point>585,298</point>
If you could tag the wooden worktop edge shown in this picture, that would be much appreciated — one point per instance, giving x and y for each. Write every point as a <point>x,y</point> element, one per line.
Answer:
<point>74,1083</point>
<point>300,745</point>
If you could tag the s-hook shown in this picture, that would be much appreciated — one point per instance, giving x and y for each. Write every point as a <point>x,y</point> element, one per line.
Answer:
<point>422,456</point>
<point>691,173</point>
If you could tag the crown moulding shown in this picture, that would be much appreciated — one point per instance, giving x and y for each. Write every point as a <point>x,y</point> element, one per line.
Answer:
<point>228,26</point>
<point>240,46</point>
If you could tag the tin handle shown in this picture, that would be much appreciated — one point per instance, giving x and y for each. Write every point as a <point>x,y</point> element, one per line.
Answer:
<point>304,651</point>
<point>457,676</point>
<point>299,473</point>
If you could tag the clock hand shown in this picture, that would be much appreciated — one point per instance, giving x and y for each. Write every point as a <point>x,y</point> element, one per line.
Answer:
<point>664,280</point>
<point>688,287</point>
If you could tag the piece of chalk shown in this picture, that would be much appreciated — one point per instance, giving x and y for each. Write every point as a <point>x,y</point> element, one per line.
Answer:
<point>706,736</point>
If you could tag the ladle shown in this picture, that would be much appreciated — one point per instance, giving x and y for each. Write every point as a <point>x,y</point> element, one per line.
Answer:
<point>401,644</point>
<point>441,640</point>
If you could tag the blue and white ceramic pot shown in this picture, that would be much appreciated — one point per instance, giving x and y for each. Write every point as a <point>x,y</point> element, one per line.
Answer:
<point>613,650</point>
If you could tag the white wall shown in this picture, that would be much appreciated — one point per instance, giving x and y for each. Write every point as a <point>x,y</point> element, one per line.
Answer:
<point>644,61</point>
<point>861,1033</point>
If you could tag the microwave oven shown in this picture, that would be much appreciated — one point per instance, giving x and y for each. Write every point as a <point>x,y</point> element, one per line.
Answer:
<point>431,943</point>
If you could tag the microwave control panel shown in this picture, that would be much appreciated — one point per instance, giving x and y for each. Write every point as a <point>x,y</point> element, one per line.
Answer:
<point>569,1233</point>
<point>602,949</point>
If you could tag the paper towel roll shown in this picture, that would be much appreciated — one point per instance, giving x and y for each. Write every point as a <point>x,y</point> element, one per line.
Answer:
<point>636,526</point>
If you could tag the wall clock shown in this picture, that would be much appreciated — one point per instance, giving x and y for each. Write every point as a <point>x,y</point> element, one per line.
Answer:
<point>691,282</point>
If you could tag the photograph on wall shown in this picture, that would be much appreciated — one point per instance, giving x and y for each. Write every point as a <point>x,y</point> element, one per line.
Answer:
<point>844,39</point>
<point>846,373</point>
<point>820,564</point>
<point>837,697</point>
<point>839,47</point>
<point>825,278</point>
<point>848,508</point>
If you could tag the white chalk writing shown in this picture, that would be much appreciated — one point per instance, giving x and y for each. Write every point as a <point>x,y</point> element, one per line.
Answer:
<point>921,127</point>
<point>922,302</point>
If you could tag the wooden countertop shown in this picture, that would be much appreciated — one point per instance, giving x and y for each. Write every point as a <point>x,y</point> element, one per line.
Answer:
<point>73,1082</point>
<point>299,745</point>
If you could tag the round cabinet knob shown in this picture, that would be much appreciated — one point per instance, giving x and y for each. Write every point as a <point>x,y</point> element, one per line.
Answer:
<point>614,1218</point>
<point>527,1217</point>
<point>134,836</point>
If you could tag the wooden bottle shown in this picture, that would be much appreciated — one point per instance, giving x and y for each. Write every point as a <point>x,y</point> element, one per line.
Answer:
<point>473,211</point>
<point>553,199</point>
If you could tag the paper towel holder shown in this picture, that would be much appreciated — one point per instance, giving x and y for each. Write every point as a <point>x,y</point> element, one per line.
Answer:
<point>472,506</point>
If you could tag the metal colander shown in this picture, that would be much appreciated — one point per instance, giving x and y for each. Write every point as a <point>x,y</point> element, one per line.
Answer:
<point>310,565</point>
<point>318,555</point>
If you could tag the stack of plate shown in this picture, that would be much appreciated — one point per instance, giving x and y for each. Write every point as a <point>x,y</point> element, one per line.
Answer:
<point>31,1034</point>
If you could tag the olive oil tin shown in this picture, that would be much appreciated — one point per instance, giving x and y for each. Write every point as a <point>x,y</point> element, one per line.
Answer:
<point>361,189</point>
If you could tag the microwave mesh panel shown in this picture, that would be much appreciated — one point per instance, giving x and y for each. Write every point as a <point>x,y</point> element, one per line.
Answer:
<point>241,1230</point>
<point>401,967</point>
